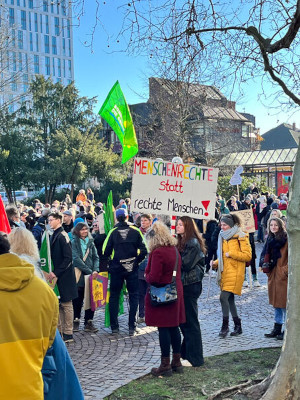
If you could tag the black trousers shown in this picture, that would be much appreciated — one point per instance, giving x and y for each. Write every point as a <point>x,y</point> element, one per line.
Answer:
<point>191,348</point>
<point>116,283</point>
<point>142,293</point>
<point>77,306</point>
<point>169,337</point>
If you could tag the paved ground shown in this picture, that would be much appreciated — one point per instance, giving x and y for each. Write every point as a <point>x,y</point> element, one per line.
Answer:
<point>105,362</point>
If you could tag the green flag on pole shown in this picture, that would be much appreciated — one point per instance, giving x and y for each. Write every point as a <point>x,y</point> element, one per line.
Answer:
<point>46,262</point>
<point>116,113</point>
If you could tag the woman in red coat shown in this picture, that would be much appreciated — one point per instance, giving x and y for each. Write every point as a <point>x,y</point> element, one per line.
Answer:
<point>167,318</point>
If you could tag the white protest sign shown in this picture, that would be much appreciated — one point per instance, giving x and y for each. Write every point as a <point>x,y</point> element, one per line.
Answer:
<point>247,219</point>
<point>236,178</point>
<point>162,187</point>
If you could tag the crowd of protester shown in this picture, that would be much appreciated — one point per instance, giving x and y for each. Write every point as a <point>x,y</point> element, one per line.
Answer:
<point>140,251</point>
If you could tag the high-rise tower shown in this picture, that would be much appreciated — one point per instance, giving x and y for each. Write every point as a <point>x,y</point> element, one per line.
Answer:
<point>35,38</point>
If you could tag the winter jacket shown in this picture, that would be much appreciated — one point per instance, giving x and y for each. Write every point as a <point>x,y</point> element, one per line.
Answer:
<point>193,263</point>
<point>28,315</point>
<point>159,271</point>
<point>124,241</point>
<point>91,263</point>
<point>233,274</point>
<point>61,255</point>
<point>278,279</point>
<point>60,378</point>
<point>38,230</point>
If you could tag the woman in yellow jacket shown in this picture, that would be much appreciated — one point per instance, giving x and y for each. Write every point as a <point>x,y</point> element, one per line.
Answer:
<point>234,251</point>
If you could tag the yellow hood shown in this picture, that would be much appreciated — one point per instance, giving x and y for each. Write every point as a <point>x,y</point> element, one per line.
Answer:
<point>15,273</point>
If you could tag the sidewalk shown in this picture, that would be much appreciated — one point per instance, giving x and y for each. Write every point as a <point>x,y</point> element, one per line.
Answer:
<point>105,362</point>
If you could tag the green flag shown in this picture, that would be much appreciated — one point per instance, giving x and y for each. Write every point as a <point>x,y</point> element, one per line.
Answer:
<point>109,220</point>
<point>46,262</point>
<point>116,113</point>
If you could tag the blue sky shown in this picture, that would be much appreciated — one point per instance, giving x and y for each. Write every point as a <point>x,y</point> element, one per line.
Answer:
<point>98,69</point>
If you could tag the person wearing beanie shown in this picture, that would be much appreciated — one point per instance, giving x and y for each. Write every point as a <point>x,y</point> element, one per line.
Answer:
<point>233,252</point>
<point>126,245</point>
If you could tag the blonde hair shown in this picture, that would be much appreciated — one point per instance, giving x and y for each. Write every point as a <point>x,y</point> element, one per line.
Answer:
<point>23,242</point>
<point>159,236</point>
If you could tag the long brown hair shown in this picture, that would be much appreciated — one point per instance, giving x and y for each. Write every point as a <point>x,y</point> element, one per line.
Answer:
<point>190,231</point>
<point>281,234</point>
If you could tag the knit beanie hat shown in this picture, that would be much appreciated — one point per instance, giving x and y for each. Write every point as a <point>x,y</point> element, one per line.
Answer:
<point>228,220</point>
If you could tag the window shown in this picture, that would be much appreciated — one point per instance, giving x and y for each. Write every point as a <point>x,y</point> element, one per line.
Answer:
<point>12,2</point>
<point>68,29</point>
<point>45,5</point>
<point>35,22</point>
<point>63,7</point>
<point>29,20</point>
<point>14,61</point>
<point>64,67</point>
<point>7,60</point>
<point>52,7</point>
<point>11,16</point>
<point>53,66</point>
<point>69,47</point>
<point>20,40</point>
<point>31,41</point>
<point>30,4</point>
<point>47,24</point>
<point>54,47</point>
<point>59,67</point>
<point>14,87</point>
<point>47,65</point>
<point>64,46</point>
<point>20,61</point>
<point>63,24</point>
<point>23,19</point>
<point>26,62</point>
<point>70,69</point>
<point>46,42</point>
<point>36,42</point>
<point>25,82</point>
<point>56,25</point>
<point>18,2</point>
<point>13,37</point>
<point>36,64</point>
<point>41,23</point>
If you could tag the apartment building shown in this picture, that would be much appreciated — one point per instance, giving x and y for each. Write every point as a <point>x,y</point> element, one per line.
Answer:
<point>36,39</point>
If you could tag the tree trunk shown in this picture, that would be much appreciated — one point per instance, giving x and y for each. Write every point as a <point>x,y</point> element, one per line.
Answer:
<point>285,384</point>
<point>72,191</point>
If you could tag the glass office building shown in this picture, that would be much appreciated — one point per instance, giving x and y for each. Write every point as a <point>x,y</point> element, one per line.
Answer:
<point>36,38</point>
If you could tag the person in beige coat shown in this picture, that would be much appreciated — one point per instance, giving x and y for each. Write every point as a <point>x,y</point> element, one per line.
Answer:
<point>233,252</point>
<point>274,262</point>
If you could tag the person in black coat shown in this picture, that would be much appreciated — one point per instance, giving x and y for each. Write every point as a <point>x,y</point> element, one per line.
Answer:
<point>61,255</point>
<point>211,247</point>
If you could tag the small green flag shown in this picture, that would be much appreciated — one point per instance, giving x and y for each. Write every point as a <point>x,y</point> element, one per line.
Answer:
<point>116,113</point>
<point>46,262</point>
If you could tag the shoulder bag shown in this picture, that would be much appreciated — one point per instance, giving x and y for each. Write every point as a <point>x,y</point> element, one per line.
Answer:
<point>166,294</point>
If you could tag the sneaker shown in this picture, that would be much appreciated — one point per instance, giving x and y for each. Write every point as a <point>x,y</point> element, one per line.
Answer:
<point>76,325</point>
<point>140,320</point>
<point>115,331</point>
<point>133,331</point>
<point>90,327</point>
<point>68,338</point>
<point>256,283</point>
<point>245,284</point>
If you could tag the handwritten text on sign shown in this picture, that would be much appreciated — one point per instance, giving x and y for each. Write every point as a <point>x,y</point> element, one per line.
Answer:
<point>162,187</point>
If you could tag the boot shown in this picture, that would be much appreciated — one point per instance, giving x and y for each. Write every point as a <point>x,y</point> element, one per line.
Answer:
<point>237,327</point>
<point>224,329</point>
<point>276,331</point>
<point>176,363</point>
<point>280,336</point>
<point>164,369</point>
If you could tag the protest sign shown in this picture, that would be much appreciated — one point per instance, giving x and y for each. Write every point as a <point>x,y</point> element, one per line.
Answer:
<point>98,290</point>
<point>247,220</point>
<point>162,187</point>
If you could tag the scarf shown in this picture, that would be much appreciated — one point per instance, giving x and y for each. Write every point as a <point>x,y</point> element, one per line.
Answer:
<point>225,235</point>
<point>84,244</point>
<point>271,251</point>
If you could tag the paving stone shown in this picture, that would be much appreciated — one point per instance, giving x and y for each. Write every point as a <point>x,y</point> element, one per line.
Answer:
<point>104,362</point>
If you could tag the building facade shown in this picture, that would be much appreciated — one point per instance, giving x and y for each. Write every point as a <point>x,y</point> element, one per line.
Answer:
<point>36,39</point>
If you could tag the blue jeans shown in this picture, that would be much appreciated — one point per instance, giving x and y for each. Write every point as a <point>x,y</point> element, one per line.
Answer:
<point>116,283</point>
<point>280,314</point>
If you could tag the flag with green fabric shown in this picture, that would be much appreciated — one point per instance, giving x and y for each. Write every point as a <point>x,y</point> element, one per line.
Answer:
<point>109,222</point>
<point>46,262</point>
<point>116,113</point>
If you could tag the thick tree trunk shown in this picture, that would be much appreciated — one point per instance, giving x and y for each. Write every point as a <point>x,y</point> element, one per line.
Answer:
<point>285,384</point>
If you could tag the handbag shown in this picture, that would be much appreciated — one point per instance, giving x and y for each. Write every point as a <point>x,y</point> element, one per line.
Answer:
<point>166,294</point>
<point>78,271</point>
